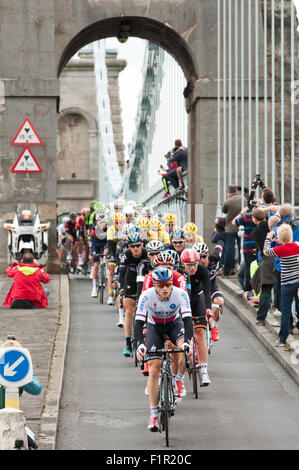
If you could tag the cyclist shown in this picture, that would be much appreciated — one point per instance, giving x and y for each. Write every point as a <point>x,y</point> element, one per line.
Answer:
<point>147,212</point>
<point>179,268</point>
<point>164,259</point>
<point>200,306</point>
<point>98,245</point>
<point>170,226</point>
<point>143,227</point>
<point>88,216</point>
<point>62,236</point>
<point>177,241</point>
<point>81,237</point>
<point>153,248</point>
<point>129,214</point>
<point>114,235</point>
<point>127,277</point>
<point>191,235</point>
<point>71,234</point>
<point>166,309</point>
<point>211,261</point>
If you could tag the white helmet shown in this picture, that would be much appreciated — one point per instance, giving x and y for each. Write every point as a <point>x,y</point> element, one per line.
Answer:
<point>65,219</point>
<point>119,203</point>
<point>154,246</point>
<point>201,248</point>
<point>128,210</point>
<point>127,228</point>
<point>146,211</point>
<point>132,204</point>
<point>101,217</point>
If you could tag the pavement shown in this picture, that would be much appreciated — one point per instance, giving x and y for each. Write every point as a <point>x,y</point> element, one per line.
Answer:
<point>267,334</point>
<point>44,333</point>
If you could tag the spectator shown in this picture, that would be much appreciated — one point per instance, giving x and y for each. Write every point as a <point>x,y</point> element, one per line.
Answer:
<point>28,275</point>
<point>219,235</point>
<point>232,208</point>
<point>177,164</point>
<point>266,275</point>
<point>249,246</point>
<point>287,254</point>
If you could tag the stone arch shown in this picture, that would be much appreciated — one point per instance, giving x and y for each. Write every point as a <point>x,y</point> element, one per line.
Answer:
<point>159,33</point>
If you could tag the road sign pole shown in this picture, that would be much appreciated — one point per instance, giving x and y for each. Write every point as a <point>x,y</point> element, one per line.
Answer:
<point>12,398</point>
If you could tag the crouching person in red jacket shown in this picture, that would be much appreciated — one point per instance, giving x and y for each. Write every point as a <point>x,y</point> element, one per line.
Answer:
<point>26,291</point>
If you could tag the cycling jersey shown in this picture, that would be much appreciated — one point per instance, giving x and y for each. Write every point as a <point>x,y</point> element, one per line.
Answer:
<point>143,268</point>
<point>113,237</point>
<point>178,281</point>
<point>127,272</point>
<point>71,228</point>
<point>61,232</point>
<point>213,267</point>
<point>98,241</point>
<point>160,312</point>
<point>200,282</point>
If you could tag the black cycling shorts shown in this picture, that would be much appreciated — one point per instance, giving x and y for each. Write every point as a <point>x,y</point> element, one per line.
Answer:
<point>198,308</point>
<point>216,293</point>
<point>130,285</point>
<point>155,337</point>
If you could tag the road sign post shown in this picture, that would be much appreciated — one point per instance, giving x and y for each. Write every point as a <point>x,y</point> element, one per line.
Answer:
<point>15,372</point>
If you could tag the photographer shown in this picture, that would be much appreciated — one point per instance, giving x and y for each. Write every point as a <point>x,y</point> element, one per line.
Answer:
<point>267,201</point>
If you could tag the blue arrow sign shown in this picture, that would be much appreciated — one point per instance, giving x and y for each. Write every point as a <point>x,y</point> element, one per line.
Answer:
<point>14,366</point>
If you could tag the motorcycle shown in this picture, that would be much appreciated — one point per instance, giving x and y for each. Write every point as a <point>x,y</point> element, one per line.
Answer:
<point>27,233</point>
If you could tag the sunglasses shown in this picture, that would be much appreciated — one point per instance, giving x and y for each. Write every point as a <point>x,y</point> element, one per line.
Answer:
<point>178,243</point>
<point>203,256</point>
<point>161,285</point>
<point>138,245</point>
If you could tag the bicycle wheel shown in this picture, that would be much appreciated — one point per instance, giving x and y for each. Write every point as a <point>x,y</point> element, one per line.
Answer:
<point>194,371</point>
<point>102,283</point>
<point>166,396</point>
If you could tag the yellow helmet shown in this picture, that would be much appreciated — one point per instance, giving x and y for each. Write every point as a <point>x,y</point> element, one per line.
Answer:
<point>170,218</point>
<point>118,217</point>
<point>190,227</point>
<point>155,223</point>
<point>143,222</point>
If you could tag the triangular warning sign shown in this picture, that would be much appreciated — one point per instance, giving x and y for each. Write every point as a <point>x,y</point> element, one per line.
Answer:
<point>26,163</point>
<point>27,135</point>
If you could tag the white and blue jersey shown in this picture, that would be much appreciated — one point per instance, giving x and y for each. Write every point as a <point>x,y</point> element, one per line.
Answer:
<point>158,312</point>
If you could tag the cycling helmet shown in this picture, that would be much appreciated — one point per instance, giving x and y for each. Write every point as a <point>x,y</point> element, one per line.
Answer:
<point>128,210</point>
<point>201,248</point>
<point>189,255</point>
<point>134,237</point>
<point>160,216</point>
<point>175,256</point>
<point>155,223</point>
<point>147,211</point>
<point>162,275</point>
<point>100,207</point>
<point>178,234</point>
<point>84,210</point>
<point>190,227</point>
<point>163,258</point>
<point>65,219</point>
<point>132,204</point>
<point>143,222</point>
<point>101,217</point>
<point>128,228</point>
<point>170,218</point>
<point>118,217</point>
<point>154,246</point>
<point>118,204</point>
<point>72,215</point>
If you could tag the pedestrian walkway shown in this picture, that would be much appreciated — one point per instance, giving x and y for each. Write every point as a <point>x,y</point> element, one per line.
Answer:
<point>288,357</point>
<point>39,331</point>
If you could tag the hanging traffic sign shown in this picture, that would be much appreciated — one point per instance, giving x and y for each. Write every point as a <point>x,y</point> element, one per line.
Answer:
<point>27,135</point>
<point>26,163</point>
<point>15,367</point>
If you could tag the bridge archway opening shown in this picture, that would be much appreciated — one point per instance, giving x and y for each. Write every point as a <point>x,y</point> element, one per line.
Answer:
<point>141,27</point>
<point>160,34</point>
